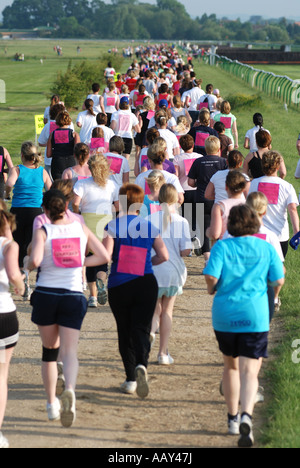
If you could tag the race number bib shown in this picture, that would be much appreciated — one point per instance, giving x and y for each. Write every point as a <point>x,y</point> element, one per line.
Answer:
<point>66,253</point>
<point>124,122</point>
<point>226,121</point>
<point>132,260</point>
<point>187,165</point>
<point>61,136</point>
<point>115,164</point>
<point>271,191</point>
<point>200,138</point>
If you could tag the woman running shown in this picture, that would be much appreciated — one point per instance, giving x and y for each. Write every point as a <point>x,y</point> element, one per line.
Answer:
<point>132,287</point>
<point>9,327</point>
<point>58,250</point>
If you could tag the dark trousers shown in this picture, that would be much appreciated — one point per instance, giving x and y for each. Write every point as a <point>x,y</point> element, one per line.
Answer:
<point>23,234</point>
<point>133,305</point>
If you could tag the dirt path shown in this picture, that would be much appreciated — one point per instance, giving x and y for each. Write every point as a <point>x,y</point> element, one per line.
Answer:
<point>184,408</point>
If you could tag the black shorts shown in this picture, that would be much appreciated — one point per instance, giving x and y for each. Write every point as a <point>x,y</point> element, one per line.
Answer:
<point>128,145</point>
<point>52,306</point>
<point>9,330</point>
<point>250,345</point>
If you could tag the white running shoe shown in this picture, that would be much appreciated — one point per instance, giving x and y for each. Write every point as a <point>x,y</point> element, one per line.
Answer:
<point>68,411</point>
<point>165,360</point>
<point>92,302</point>
<point>61,383</point>
<point>142,387</point>
<point>128,387</point>
<point>197,246</point>
<point>3,441</point>
<point>53,410</point>
<point>246,439</point>
<point>234,425</point>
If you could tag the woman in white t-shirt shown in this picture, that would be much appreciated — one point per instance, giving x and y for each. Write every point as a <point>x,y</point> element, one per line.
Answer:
<point>59,305</point>
<point>86,121</point>
<point>250,140</point>
<point>9,326</point>
<point>173,146</point>
<point>123,122</point>
<point>109,102</point>
<point>156,159</point>
<point>171,276</point>
<point>119,165</point>
<point>281,196</point>
<point>95,197</point>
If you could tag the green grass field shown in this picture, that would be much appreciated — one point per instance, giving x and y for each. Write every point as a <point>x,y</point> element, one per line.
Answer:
<point>28,86</point>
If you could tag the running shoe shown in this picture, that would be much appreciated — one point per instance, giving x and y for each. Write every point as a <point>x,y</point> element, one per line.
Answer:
<point>92,302</point>
<point>102,292</point>
<point>128,387</point>
<point>53,410</point>
<point>234,425</point>
<point>61,383</point>
<point>3,441</point>
<point>197,246</point>
<point>246,439</point>
<point>68,411</point>
<point>165,360</point>
<point>142,387</point>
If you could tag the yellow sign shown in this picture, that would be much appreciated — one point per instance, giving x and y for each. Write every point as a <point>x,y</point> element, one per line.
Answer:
<point>39,124</point>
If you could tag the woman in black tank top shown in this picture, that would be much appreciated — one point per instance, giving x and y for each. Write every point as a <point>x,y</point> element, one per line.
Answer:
<point>61,145</point>
<point>4,159</point>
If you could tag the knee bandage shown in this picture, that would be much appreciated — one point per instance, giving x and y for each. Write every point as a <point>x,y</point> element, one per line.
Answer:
<point>50,355</point>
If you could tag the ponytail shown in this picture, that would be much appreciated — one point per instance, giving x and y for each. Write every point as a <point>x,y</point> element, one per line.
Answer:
<point>89,105</point>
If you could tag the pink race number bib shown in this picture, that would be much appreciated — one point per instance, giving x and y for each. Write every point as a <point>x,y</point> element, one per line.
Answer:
<point>132,260</point>
<point>200,138</point>
<point>154,208</point>
<point>110,101</point>
<point>226,121</point>
<point>260,236</point>
<point>187,165</point>
<point>203,105</point>
<point>53,126</point>
<point>97,143</point>
<point>147,189</point>
<point>61,136</point>
<point>150,114</point>
<point>66,253</point>
<point>1,162</point>
<point>124,122</point>
<point>270,190</point>
<point>115,164</point>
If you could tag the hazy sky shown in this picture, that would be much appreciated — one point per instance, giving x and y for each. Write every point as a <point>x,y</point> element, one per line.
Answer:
<point>268,8</point>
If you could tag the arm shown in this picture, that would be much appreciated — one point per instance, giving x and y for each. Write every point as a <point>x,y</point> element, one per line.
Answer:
<point>161,251</point>
<point>125,178</point>
<point>247,143</point>
<point>49,147</point>
<point>76,203</point>
<point>235,134</point>
<point>37,249</point>
<point>215,229</point>
<point>12,179</point>
<point>192,182</point>
<point>211,283</point>
<point>292,210</point>
<point>8,159</point>
<point>210,191</point>
<point>282,169</point>
<point>76,138</point>
<point>47,180</point>
<point>11,255</point>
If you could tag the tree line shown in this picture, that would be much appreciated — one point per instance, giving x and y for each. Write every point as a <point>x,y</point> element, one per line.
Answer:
<point>131,19</point>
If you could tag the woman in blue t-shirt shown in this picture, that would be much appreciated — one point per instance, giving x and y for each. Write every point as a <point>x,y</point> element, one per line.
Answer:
<point>27,181</point>
<point>132,287</point>
<point>238,273</point>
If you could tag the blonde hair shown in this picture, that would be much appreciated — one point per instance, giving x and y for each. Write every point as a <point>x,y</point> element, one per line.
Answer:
<point>168,196</point>
<point>204,116</point>
<point>65,186</point>
<point>155,180</point>
<point>30,153</point>
<point>182,124</point>
<point>157,151</point>
<point>212,145</point>
<point>148,103</point>
<point>258,202</point>
<point>99,168</point>
<point>271,162</point>
<point>6,218</point>
<point>225,107</point>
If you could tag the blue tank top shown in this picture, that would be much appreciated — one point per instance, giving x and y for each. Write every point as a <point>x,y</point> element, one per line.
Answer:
<point>28,190</point>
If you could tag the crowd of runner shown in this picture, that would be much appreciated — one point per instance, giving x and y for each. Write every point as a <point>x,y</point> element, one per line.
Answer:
<point>83,220</point>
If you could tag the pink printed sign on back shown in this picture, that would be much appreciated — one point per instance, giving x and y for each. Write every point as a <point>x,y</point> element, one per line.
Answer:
<point>200,138</point>
<point>271,191</point>
<point>115,164</point>
<point>110,101</point>
<point>187,165</point>
<point>147,189</point>
<point>97,143</point>
<point>1,163</point>
<point>150,114</point>
<point>260,236</point>
<point>203,105</point>
<point>226,121</point>
<point>66,253</point>
<point>53,126</point>
<point>132,260</point>
<point>154,208</point>
<point>124,122</point>
<point>61,136</point>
